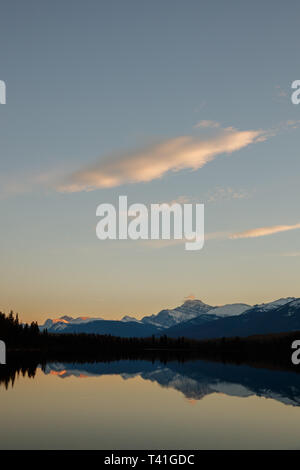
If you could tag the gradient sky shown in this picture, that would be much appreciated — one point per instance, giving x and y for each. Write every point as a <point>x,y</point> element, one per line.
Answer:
<point>91,81</point>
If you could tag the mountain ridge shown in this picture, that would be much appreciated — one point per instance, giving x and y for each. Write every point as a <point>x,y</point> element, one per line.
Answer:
<point>193,319</point>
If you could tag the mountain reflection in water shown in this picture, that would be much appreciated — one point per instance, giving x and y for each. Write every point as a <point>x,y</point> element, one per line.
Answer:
<point>194,379</point>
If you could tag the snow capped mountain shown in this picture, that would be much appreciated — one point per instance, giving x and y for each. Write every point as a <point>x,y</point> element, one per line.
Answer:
<point>59,324</point>
<point>66,318</point>
<point>54,325</point>
<point>229,310</point>
<point>80,320</point>
<point>164,319</point>
<point>275,304</point>
<point>127,318</point>
<point>196,311</point>
<point>193,319</point>
<point>275,317</point>
<point>170,317</point>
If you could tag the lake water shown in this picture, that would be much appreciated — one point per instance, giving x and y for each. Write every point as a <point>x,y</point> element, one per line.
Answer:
<point>136,404</point>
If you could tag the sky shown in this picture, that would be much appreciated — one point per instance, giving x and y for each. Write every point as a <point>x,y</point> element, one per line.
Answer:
<point>160,101</point>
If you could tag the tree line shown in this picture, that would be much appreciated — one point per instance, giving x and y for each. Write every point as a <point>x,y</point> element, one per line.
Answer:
<point>271,350</point>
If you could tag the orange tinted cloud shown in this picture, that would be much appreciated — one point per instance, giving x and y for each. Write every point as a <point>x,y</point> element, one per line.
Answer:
<point>152,162</point>
<point>207,123</point>
<point>189,297</point>
<point>263,231</point>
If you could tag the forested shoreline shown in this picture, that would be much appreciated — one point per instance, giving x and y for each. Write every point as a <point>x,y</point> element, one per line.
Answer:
<point>27,343</point>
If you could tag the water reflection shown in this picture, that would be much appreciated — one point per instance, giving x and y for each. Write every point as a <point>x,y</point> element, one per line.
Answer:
<point>194,379</point>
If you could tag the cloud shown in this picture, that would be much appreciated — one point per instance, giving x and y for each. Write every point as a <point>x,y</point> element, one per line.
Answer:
<point>157,244</point>
<point>291,254</point>
<point>154,161</point>
<point>223,235</point>
<point>226,194</point>
<point>207,124</point>
<point>264,231</point>
<point>189,297</point>
<point>178,200</point>
<point>27,182</point>
<point>294,124</point>
<point>283,126</point>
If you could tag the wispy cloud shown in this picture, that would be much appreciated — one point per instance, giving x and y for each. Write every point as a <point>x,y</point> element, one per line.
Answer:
<point>27,182</point>
<point>291,254</point>
<point>174,242</point>
<point>226,194</point>
<point>264,231</point>
<point>178,200</point>
<point>154,161</point>
<point>283,126</point>
<point>207,124</point>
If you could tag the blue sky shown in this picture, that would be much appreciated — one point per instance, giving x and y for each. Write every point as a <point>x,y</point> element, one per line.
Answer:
<point>88,80</point>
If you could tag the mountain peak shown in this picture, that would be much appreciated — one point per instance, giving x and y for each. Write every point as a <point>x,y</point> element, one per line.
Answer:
<point>276,303</point>
<point>194,302</point>
<point>127,318</point>
<point>66,318</point>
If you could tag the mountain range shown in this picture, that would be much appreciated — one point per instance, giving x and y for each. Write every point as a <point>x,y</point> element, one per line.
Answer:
<point>192,319</point>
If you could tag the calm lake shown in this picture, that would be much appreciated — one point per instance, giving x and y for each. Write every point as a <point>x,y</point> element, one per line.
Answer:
<point>137,404</point>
